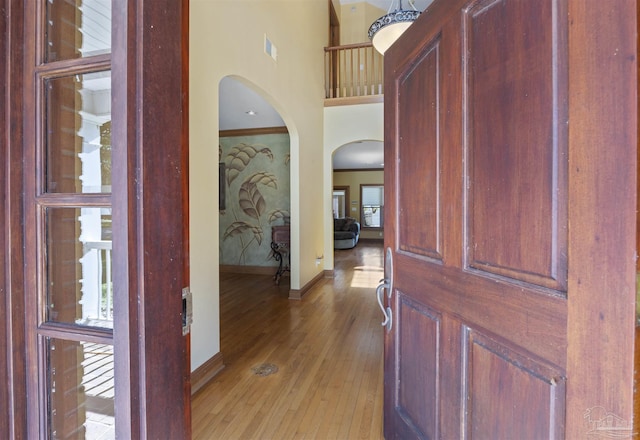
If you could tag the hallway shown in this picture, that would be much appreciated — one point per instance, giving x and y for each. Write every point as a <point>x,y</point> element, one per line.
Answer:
<point>298,369</point>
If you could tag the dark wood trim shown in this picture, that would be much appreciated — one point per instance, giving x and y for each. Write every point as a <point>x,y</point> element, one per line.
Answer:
<point>334,40</point>
<point>5,329</point>
<point>329,273</point>
<point>35,400</point>
<point>186,373</point>
<point>298,294</point>
<point>71,332</point>
<point>602,153</point>
<point>636,361</point>
<point>334,26</point>
<point>126,346</point>
<point>205,372</point>
<point>253,131</point>
<point>253,270</point>
<point>148,204</point>
<point>13,395</point>
<point>636,377</point>
<point>347,198</point>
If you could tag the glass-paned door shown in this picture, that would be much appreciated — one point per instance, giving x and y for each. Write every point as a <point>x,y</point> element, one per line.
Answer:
<point>103,209</point>
<point>69,201</point>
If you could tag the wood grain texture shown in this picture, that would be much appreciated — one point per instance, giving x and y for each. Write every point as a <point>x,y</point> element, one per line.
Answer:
<point>5,330</point>
<point>602,154</point>
<point>503,387</point>
<point>184,38</point>
<point>148,222</point>
<point>420,155</point>
<point>14,250</point>
<point>544,259</point>
<point>516,140</point>
<point>327,347</point>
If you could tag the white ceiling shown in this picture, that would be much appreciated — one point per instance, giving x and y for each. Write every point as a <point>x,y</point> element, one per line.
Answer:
<point>359,155</point>
<point>237,100</point>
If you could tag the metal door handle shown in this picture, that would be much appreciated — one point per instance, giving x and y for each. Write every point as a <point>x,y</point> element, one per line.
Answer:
<point>388,318</point>
<point>386,283</point>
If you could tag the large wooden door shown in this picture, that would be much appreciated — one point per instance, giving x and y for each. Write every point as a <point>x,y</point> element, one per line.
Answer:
<point>93,147</point>
<point>510,156</point>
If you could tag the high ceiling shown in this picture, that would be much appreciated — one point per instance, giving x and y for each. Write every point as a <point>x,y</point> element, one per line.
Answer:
<point>242,108</point>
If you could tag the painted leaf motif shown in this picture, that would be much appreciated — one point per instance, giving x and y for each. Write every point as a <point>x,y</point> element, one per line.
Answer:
<point>236,228</point>
<point>258,234</point>
<point>267,152</point>
<point>239,157</point>
<point>266,179</point>
<point>251,201</point>
<point>278,214</point>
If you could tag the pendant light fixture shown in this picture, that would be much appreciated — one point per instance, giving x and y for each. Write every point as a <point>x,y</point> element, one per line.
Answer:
<point>386,29</point>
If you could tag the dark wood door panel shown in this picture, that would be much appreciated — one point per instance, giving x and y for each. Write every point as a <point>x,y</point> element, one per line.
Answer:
<point>419,156</point>
<point>534,318</point>
<point>509,393</point>
<point>505,389</point>
<point>419,352</point>
<point>516,169</point>
<point>514,251</point>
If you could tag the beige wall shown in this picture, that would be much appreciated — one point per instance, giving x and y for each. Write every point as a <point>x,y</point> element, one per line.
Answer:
<point>355,19</point>
<point>353,179</point>
<point>227,38</point>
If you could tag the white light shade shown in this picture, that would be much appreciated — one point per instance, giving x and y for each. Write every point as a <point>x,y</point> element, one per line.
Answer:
<point>387,29</point>
<point>386,36</point>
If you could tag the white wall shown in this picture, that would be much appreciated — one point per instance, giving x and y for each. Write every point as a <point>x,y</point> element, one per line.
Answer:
<point>227,38</point>
<point>344,124</point>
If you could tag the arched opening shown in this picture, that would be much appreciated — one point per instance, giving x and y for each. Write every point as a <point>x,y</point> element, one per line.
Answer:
<point>254,152</point>
<point>358,188</point>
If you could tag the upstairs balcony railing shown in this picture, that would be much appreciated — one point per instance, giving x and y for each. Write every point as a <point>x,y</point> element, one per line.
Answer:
<point>353,71</point>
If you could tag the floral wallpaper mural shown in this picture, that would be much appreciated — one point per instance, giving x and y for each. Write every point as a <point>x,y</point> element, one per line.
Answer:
<point>257,196</point>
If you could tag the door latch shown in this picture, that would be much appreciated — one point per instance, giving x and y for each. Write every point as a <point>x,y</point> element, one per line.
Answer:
<point>187,311</point>
<point>388,317</point>
<point>386,283</point>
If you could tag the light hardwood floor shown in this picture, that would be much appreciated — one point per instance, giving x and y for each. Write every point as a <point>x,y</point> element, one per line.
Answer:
<point>327,349</point>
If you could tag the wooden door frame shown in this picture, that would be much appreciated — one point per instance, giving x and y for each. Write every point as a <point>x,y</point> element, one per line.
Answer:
<point>347,198</point>
<point>603,124</point>
<point>150,351</point>
<point>13,402</point>
<point>153,202</point>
